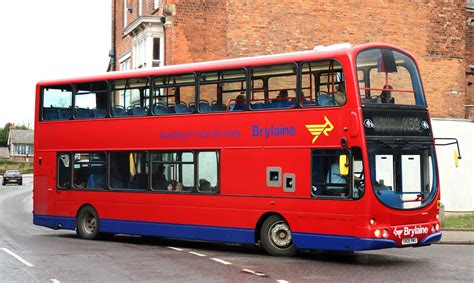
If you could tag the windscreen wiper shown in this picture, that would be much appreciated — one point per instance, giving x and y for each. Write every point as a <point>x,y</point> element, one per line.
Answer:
<point>410,144</point>
<point>387,145</point>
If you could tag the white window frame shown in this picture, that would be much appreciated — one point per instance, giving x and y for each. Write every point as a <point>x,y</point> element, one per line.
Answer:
<point>156,4</point>
<point>125,62</point>
<point>140,7</point>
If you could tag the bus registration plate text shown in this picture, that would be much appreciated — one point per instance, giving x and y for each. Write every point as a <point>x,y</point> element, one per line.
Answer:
<point>409,241</point>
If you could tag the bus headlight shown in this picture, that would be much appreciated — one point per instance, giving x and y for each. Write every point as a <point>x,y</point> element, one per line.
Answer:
<point>372,221</point>
<point>437,227</point>
<point>385,233</point>
<point>433,229</point>
<point>377,233</point>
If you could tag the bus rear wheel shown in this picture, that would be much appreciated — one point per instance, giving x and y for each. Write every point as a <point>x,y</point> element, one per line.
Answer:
<point>276,237</point>
<point>87,223</point>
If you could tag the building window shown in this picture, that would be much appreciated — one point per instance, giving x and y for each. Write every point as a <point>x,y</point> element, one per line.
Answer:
<point>23,150</point>
<point>125,62</point>
<point>139,54</point>
<point>156,51</point>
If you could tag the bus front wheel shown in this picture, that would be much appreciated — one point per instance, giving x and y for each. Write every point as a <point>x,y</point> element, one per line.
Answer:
<point>276,237</point>
<point>87,226</point>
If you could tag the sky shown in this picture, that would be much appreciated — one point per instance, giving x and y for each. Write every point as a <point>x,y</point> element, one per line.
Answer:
<point>49,39</point>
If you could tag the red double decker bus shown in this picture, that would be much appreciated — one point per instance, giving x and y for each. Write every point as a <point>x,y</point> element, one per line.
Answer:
<point>328,149</point>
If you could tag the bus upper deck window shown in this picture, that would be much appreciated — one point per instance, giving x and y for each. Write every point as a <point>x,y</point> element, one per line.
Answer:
<point>388,77</point>
<point>57,102</point>
<point>322,84</point>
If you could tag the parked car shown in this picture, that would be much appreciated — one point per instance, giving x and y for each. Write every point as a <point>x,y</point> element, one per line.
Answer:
<point>12,176</point>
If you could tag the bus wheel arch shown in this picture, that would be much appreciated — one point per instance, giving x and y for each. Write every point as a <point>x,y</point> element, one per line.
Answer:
<point>274,234</point>
<point>87,222</point>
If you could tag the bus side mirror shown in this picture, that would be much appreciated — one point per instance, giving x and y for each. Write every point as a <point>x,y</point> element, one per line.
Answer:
<point>456,158</point>
<point>450,141</point>
<point>343,165</point>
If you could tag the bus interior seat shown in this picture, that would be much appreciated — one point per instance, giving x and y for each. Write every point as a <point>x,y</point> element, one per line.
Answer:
<point>137,110</point>
<point>181,107</point>
<point>171,109</point>
<point>257,105</point>
<point>119,111</point>
<point>96,180</point>
<point>100,113</point>
<point>50,113</point>
<point>64,113</point>
<point>159,109</point>
<point>218,106</point>
<point>192,107</point>
<point>237,107</point>
<point>84,113</point>
<point>204,106</point>
<point>325,100</point>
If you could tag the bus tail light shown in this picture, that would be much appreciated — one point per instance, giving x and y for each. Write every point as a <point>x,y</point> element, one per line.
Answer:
<point>385,233</point>
<point>377,233</point>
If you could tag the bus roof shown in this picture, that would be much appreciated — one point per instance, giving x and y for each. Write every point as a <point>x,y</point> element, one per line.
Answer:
<point>318,53</point>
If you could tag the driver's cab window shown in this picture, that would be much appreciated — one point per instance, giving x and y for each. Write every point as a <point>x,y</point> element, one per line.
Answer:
<point>329,178</point>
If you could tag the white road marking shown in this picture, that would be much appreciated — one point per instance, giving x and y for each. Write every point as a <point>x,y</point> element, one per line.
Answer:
<point>254,272</point>
<point>55,281</point>
<point>195,253</point>
<point>19,258</point>
<point>176,249</point>
<point>282,281</point>
<point>221,261</point>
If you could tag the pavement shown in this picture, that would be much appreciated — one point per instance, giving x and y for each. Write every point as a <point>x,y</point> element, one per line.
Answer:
<point>457,237</point>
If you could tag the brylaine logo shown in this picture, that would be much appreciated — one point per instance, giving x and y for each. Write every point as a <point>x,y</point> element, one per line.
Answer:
<point>317,129</point>
<point>369,124</point>
<point>410,232</point>
<point>425,125</point>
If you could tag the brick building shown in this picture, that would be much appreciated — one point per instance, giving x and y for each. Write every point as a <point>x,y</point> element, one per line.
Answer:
<point>148,33</point>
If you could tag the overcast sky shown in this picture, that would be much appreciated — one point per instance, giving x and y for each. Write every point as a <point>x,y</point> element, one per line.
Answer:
<point>48,39</point>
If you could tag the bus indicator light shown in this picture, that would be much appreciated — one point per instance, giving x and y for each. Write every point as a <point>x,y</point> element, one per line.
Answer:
<point>377,233</point>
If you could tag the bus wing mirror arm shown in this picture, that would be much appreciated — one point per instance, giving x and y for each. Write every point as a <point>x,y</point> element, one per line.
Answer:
<point>450,141</point>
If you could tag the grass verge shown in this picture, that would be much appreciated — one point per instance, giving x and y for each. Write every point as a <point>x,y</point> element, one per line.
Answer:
<point>464,221</point>
<point>24,167</point>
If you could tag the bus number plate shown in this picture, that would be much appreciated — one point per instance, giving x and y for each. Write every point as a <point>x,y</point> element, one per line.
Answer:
<point>409,241</point>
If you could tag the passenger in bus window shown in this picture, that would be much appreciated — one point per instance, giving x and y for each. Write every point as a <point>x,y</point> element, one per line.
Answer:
<point>339,183</point>
<point>340,95</point>
<point>282,96</point>
<point>239,102</point>
<point>385,96</point>
<point>175,186</point>
<point>159,179</point>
